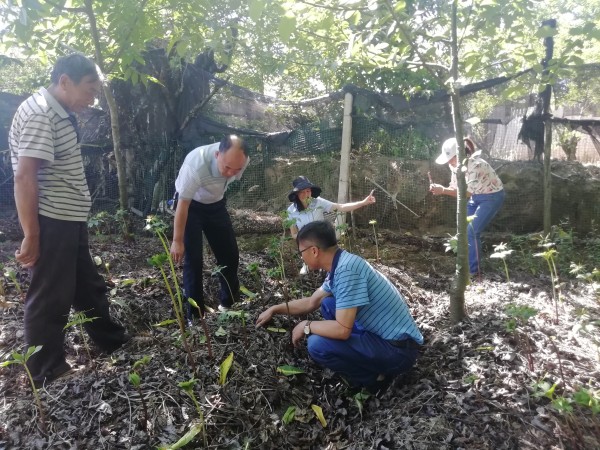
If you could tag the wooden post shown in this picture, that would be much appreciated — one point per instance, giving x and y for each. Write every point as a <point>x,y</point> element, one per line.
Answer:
<point>546,96</point>
<point>345,156</point>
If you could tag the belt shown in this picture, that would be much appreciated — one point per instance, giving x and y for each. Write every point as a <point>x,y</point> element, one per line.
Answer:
<point>406,344</point>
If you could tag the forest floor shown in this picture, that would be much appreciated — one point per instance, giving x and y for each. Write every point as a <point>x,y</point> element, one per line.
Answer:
<point>478,384</point>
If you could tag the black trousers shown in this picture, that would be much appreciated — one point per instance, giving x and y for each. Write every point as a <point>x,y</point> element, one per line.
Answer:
<point>212,219</point>
<point>65,276</point>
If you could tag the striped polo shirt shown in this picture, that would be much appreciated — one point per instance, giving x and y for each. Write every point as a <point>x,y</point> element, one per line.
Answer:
<point>380,307</point>
<point>42,129</point>
<point>199,177</point>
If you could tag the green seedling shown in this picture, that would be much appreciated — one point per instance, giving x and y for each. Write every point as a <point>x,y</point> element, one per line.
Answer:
<point>77,321</point>
<point>451,245</point>
<point>373,223</point>
<point>219,271</point>
<point>224,369</point>
<point>501,251</point>
<point>136,380</point>
<point>158,227</point>
<point>188,388</point>
<point>11,274</point>
<point>241,315</point>
<point>253,270</point>
<point>549,255</point>
<point>21,359</point>
<point>520,315</point>
<point>589,399</point>
<point>204,327</point>
<point>342,229</point>
<point>360,398</point>
<point>289,415</point>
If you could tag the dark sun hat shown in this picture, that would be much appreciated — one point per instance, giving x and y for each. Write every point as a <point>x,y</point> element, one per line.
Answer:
<point>300,184</point>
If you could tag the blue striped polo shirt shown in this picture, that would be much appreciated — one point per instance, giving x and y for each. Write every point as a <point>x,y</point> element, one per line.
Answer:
<point>380,307</point>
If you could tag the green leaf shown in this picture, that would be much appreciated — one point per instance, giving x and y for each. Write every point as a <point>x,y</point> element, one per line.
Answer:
<point>141,362</point>
<point>192,302</point>
<point>221,332</point>
<point>164,323</point>
<point>255,9</point>
<point>224,369</point>
<point>32,351</point>
<point>244,290</point>
<point>289,370</point>
<point>319,413</point>
<point>289,415</point>
<point>134,379</point>
<point>187,386</point>
<point>287,25</point>
<point>276,330</point>
<point>186,438</point>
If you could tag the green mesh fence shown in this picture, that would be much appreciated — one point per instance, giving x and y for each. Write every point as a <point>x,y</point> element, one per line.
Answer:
<point>391,154</point>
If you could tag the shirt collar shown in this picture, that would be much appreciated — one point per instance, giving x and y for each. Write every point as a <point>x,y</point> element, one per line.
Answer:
<point>54,104</point>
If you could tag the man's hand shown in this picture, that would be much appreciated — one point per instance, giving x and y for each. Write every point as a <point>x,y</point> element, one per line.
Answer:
<point>264,318</point>
<point>436,189</point>
<point>298,333</point>
<point>29,252</point>
<point>177,251</point>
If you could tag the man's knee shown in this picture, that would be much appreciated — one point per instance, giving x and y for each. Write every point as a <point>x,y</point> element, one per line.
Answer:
<point>319,348</point>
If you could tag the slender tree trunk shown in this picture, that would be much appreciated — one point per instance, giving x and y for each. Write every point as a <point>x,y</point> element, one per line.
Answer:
<point>546,97</point>
<point>112,107</point>
<point>457,296</point>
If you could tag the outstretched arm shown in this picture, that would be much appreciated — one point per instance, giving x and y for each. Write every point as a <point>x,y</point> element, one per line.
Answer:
<point>347,207</point>
<point>299,307</point>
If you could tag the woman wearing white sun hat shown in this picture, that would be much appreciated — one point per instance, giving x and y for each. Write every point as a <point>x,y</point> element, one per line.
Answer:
<point>484,190</point>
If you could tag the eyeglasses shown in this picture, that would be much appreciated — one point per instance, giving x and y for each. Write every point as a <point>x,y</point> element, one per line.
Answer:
<point>302,251</point>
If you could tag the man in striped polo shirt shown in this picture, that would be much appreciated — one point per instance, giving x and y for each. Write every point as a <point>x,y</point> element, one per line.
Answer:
<point>53,202</point>
<point>367,335</point>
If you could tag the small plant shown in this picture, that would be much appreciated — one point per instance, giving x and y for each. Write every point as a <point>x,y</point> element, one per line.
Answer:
<point>22,358</point>
<point>451,244</point>
<point>188,388</point>
<point>241,315</point>
<point>11,274</point>
<point>253,270</point>
<point>373,222</point>
<point>158,227</point>
<point>192,302</point>
<point>520,315</point>
<point>219,271</point>
<point>549,255</point>
<point>77,321</point>
<point>136,380</point>
<point>501,251</point>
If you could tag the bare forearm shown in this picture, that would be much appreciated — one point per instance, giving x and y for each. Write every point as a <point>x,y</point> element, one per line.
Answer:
<point>181,215</point>
<point>347,207</point>
<point>26,199</point>
<point>296,307</point>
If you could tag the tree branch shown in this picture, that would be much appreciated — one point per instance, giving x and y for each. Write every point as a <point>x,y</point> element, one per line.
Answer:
<point>63,8</point>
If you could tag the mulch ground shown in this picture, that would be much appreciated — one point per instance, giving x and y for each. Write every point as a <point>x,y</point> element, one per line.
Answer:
<point>474,386</point>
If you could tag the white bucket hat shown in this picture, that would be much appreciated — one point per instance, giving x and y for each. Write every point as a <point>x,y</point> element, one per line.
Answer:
<point>449,149</point>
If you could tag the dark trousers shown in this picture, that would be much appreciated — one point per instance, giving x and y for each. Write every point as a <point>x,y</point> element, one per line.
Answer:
<point>212,219</point>
<point>65,276</point>
<point>362,357</point>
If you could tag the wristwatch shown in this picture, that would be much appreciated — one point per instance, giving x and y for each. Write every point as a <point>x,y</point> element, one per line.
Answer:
<point>307,327</point>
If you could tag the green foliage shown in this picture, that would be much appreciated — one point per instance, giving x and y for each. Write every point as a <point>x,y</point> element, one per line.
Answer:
<point>21,359</point>
<point>289,415</point>
<point>224,369</point>
<point>518,315</point>
<point>289,370</point>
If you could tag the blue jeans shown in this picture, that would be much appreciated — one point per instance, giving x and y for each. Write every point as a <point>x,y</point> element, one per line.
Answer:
<point>360,358</point>
<point>484,207</point>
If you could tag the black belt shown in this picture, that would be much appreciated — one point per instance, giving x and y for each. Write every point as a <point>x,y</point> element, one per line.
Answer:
<point>406,344</point>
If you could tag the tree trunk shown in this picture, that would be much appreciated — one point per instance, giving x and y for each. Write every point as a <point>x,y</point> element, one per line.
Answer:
<point>546,97</point>
<point>113,110</point>
<point>457,296</point>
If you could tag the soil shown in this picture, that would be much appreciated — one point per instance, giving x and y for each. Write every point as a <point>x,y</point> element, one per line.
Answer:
<point>474,386</point>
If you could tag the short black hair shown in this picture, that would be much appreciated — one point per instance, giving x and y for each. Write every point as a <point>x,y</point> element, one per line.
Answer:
<point>75,66</point>
<point>227,143</point>
<point>319,232</point>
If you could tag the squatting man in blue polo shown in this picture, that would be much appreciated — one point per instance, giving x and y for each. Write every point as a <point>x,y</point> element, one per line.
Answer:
<point>367,334</point>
